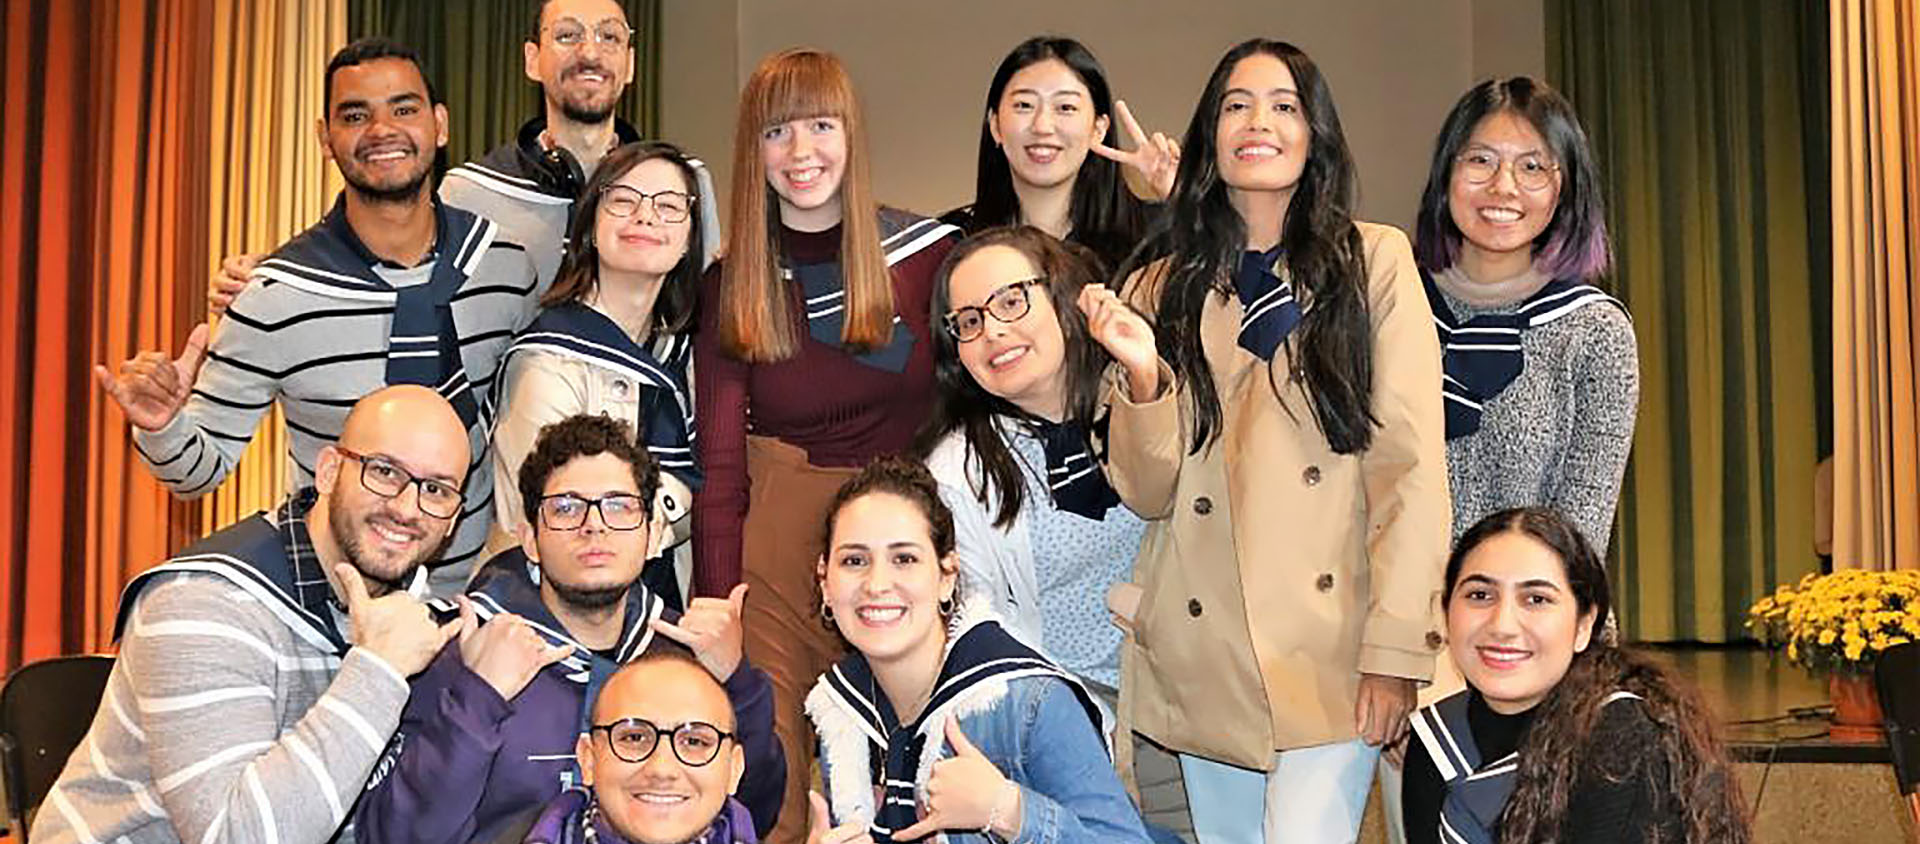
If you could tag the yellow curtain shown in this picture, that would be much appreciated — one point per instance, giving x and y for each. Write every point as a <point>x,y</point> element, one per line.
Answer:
<point>273,182</point>
<point>1876,250</point>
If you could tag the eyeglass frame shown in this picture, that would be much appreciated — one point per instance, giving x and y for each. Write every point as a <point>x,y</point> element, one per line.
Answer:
<point>1501,162</point>
<point>626,37</point>
<point>593,507</point>
<point>648,199</point>
<point>412,480</point>
<point>950,319</point>
<point>672,734</point>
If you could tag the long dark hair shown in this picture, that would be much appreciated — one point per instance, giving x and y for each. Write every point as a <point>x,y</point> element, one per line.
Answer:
<point>1202,236</point>
<point>579,273</point>
<point>1574,244</point>
<point>1558,753</point>
<point>1105,215</point>
<point>963,405</point>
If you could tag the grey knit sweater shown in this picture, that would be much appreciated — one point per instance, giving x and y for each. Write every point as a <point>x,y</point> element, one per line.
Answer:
<point>1559,435</point>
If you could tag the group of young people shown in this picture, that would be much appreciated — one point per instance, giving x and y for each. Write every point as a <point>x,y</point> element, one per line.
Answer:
<point>1115,503</point>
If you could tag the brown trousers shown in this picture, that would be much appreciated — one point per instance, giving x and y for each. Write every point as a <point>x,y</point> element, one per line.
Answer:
<point>780,544</point>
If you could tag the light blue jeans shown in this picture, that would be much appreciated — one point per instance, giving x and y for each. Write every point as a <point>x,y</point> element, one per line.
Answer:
<point>1314,795</point>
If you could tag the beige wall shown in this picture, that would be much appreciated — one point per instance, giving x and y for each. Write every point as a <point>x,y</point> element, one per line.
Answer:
<point>922,70</point>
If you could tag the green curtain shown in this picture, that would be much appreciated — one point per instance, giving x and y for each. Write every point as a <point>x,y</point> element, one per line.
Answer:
<point>473,55</point>
<point>1709,118</point>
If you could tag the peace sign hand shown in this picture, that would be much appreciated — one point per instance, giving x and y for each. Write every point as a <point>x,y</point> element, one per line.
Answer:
<point>151,388</point>
<point>967,792</point>
<point>1156,158</point>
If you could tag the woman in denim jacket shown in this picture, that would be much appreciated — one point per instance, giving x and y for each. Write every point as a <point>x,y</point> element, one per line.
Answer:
<point>958,710</point>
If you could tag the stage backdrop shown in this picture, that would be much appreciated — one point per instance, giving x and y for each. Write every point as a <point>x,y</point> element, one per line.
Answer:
<point>1709,120</point>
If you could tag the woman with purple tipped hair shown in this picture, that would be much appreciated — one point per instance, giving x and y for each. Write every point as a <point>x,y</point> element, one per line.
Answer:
<point>1542,378</point>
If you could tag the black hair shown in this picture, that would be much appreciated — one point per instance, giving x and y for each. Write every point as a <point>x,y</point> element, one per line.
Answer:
<point>1202,237</point>
<point>1574,244</point>
<point>1695,799</point>
<point>584,435</point>
<point>370,49</point>
<point>1105,215</point>
<point>961,404</point>
<point>580,271</point>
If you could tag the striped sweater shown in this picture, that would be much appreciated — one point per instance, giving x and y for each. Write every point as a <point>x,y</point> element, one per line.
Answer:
<point>221,723</point>
<point>316,342</point>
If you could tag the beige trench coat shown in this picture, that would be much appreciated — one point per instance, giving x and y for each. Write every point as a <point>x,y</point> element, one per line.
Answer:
<point>1275,571</point>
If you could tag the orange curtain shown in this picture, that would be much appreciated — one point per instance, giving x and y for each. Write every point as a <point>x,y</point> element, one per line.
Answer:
<point>115,117</point>
<point>1876,251</point>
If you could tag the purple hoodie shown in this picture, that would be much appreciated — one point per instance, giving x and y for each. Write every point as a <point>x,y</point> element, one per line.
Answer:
<point>467,764</point>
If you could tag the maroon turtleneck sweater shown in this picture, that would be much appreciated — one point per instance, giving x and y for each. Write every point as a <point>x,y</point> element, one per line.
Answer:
<point>823,400</point>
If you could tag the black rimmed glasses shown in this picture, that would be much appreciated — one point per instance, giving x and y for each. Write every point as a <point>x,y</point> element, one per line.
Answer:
<point>695,743</point>
<point>382,477</point>
<point>1008,304</point>
<point>670,206</point>
<point>571,34</point>
<point>618,511</point>
<point>1532,171</point>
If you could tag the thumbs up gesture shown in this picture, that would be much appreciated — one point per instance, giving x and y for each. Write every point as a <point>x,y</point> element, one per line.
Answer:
<point>150,388</point>
<point>967,792</point>
<point>818,831</point>
<point>711,629</point>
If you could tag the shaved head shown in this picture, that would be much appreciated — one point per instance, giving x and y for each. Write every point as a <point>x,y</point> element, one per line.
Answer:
<point>399,445</point>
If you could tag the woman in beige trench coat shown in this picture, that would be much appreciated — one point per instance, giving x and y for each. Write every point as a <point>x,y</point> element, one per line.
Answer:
<point>1290,456</point>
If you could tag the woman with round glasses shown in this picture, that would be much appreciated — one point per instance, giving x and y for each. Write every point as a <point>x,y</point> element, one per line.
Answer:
<point>1542,376</point>
<point>614,337</point>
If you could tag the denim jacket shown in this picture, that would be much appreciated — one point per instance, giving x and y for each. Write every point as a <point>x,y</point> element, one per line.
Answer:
<point>1033,726</point>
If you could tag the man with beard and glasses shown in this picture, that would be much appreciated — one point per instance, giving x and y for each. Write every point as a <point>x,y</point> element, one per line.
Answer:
<point>489,733</point>
<point>658,764</point>
<point>262,669</point>
<point>582,55</point>
<point>391,287</point>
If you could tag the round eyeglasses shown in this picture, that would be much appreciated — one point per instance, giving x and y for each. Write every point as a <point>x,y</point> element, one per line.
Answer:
<point>670,206</point>
<point>386,479</point>
<point>695,743</point>
<point>618,511</point>
<point>1008,304</point>
<point>1531,171</point>
<point>570,34</point>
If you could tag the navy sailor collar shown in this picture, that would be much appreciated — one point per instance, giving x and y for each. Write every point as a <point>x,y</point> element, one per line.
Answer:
<point>510,583</point>
<point>330,259</point>
<point>529,170</point>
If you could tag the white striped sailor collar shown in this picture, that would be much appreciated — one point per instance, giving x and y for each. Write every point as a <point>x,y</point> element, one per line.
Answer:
<point>583,333</point>
<point>329,258</point>
<point>510,583</point>
<point>523,170</point>
<point>295,587</point>
<point>853,718</point>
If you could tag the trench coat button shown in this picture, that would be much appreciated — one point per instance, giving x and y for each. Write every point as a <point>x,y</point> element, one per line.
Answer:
<point>621,388</point>
<point>1193,607</point>
<point>1311,476</point>
<point>1324,583</point>
<point>1202,505</point>
<point>1434,641</point>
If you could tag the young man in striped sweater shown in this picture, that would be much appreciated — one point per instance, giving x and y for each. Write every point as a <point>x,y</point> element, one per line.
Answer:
<point>392,286</point>
<point>262,670</point>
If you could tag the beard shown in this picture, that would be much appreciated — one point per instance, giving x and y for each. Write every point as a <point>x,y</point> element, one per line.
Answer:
<point>583,108</point>
<point>382,576</point>
<point>402,193</point>
<point>588,597</point>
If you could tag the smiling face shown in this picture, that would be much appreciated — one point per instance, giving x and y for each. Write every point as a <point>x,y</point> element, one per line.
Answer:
<point>884,581</point>
<point>1262,134</point>
<point>1512,622</point>
<point>1021,361</point>
<point>1500,217</point>
<point>1046,125</point>
<point>642,242</point>
<point>660,799</point>
<point>806,159</point>
<point>583,59</point>
<point>592,565</point>
<point>381,130</point>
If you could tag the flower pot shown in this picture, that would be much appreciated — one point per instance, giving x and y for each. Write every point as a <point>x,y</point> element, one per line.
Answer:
<point>1856,707</point>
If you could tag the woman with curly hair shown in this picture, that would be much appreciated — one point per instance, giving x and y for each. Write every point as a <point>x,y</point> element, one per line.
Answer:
<point>1560,735</point>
